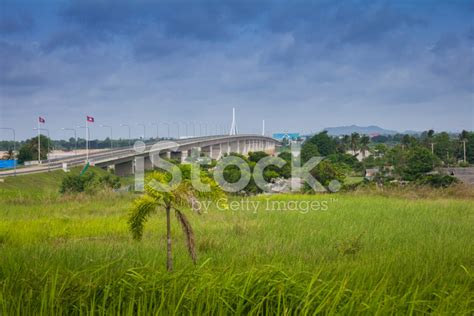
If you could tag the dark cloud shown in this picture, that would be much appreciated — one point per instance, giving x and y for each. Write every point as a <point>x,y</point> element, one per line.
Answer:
<point>17,68</point>
<point>360,62</point>
<point>15,22</point>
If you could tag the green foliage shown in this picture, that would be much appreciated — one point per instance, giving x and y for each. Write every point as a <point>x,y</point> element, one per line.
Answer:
<point>348,160</point>
<point>419,161</point>
<point>325,144</point>
<point>256,156</point>
<point>469,137</point>
<point>326,171</point>
<point>89,182</point>
<point>350,246</point>
<point>308,151</point>
<point>29,150</point>
<point>437,180</point>
<point>161,193</point>
<point>414,258</point>
<point>143,207</point>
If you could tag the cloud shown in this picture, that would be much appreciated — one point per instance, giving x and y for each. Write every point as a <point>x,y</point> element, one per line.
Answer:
<point>15,22</point>
<point>334,62</point>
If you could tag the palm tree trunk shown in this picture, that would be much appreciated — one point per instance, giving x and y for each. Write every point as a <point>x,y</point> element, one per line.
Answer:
<point>169,258</point>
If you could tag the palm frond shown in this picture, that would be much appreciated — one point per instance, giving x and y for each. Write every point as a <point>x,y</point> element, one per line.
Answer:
<point>188,234</point>
<point>141,210</point>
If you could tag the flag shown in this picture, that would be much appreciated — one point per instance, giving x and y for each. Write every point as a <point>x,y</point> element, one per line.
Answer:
<point>90,119</point>
<point>41,120</point>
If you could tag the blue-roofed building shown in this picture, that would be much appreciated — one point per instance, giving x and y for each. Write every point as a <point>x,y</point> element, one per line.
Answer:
<point>289,136</point>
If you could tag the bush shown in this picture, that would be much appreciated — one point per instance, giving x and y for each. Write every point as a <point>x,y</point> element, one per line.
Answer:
<point>437,180</point>
<point>88,182</point>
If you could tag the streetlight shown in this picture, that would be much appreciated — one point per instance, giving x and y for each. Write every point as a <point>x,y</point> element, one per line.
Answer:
<point>87,140</point>
<point>186,128</point>
<point>194,128</point>
<point>168,125</point>
<point>108,126</point>
<point>157,129</point>
<point>14,145</point>
<point>129,132</point>
<point>49,139</point>
<point>144,130</point>
<point>75,137</point>
<point>177,125</point>
<point>200,130</point>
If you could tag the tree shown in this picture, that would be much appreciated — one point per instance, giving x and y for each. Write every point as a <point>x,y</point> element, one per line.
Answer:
<point>326,171</point>
<point>364,144</point>
<point>29,151</point>
<point>257,155</point>
<point>355,138</point>
<point>326,145</point>
<point>308,150</point>
<point>419,161</point>
<point>444,147</point>
<point>380,150</point>
<point>178,196</point>
<point>344,144</point>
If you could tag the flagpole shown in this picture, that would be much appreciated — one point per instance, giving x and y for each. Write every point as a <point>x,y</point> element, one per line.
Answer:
<point>39,142</point>
<point>87,139</point>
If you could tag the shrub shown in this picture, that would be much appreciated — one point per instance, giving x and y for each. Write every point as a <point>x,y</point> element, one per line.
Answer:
<point>437,180</point>
<point>88,182</point>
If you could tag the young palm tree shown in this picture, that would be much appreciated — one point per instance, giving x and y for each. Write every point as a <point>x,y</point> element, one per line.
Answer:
<point>176,197</point>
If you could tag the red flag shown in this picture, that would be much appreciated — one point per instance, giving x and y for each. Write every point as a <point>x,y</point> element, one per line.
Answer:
<point>41,120</point>
<point>90,119</point>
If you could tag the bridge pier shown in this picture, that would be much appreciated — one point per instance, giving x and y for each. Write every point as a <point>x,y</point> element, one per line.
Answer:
<point>124,169</point>
<point>207,151</point>
<point>216,152</point>
<point>165,154</point>
<point>148,163</point>
<point>184,155</point>
<point>176,155</point>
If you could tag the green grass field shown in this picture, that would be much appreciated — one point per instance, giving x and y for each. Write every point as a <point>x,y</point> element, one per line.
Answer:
<point>363,254</point>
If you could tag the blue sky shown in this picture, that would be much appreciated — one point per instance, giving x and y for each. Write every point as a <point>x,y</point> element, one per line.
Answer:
<point>300,65</point>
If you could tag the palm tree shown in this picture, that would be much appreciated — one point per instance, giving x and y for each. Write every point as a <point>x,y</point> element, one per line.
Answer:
<point>161,194</point>
<point>346,141</point>
<point>355,137</point>
<point>364,144</point>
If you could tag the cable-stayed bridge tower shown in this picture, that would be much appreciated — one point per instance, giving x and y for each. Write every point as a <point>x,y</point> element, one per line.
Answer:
<point>233,127</point>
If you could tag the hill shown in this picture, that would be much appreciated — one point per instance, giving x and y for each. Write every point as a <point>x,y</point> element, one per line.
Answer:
<point>368,130</point>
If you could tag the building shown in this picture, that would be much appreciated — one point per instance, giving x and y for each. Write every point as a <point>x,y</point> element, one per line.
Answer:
<point>289,136</point>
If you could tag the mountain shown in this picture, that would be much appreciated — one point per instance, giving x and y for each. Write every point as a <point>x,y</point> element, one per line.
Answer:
<point>367,130</point>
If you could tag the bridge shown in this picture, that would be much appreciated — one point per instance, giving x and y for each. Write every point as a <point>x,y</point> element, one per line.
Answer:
<point>123,159</point>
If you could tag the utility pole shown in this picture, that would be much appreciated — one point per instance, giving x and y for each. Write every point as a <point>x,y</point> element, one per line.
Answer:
<point>432,148</point>
<point>464,148</point>
<point>75,137</point>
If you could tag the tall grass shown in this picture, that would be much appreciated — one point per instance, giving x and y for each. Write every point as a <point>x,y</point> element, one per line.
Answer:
<point>364,255</point>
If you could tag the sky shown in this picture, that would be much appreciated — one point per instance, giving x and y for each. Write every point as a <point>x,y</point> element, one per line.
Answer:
<point>300,65</point>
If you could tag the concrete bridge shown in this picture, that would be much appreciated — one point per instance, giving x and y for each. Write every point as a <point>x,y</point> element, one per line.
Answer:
<point>123,160</point>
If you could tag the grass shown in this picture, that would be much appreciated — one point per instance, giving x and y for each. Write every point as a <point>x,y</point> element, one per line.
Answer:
<point>357,254</point>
